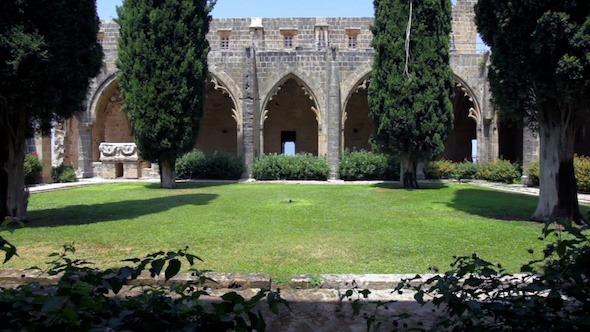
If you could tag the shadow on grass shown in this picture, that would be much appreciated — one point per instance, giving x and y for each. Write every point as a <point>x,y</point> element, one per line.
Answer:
<point>423,186</point>
<point>494,204</point>
<point>194,184</point>
<point>128,209</point>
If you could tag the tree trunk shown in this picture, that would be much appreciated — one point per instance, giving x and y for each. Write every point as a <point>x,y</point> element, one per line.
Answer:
<point>408,172</point>
<point>16,195</point>
<point>167,174</point>
<point>557,182</point>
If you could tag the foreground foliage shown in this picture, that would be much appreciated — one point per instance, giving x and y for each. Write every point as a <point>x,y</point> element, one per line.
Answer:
<point>84,299</point>
<point>552,294</point>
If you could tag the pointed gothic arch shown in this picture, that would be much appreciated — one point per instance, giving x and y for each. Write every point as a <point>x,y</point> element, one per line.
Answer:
<point>291,113</point>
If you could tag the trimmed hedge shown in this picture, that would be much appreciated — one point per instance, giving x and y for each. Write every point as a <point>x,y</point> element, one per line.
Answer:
<point>499,171</point>
<point>439,169</point>
<point>302,166</point>
<point>367,165</point>
<point>495,171</point>
<point>217,166</point>
<point>64,173</point>
<point>32,169</point>
<point>581,168</point>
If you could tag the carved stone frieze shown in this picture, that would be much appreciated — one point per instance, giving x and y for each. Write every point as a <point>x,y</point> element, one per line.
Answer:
<point>118,152</point>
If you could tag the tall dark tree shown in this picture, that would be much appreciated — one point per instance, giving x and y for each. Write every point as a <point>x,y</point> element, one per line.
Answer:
<point>540,69</point>
<point>163,61</point>
<point>48,53</point>
<point>412,82</point>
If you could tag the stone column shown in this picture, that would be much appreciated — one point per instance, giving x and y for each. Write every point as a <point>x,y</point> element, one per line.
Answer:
<point>85,168</point>
<point>251,112</point>
<point>333,116</point>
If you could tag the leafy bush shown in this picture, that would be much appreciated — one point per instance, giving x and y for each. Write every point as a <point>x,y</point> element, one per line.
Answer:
<point>534,172</point>
<point>465,170</point>
<point>217,166</point>
<point>366,165</point>
<point>82,300</point>
<point>476,295</point>
<point>64,173</point>
<point>32,169</point>
<point>499,171</point>
<point>439,169</point>
<point>298,167</point>
<point>582,169</point>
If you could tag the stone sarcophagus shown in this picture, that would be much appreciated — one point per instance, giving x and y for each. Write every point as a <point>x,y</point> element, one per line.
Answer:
<point>119,160</point>
<point>118,152</point>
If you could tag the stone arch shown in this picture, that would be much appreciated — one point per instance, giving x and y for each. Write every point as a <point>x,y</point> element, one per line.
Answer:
<point>350,85</point>
<point>291,113</point>
<point>104,87</point>
<point>229,85</point>
<point>462,142</point>
<point>221,125</point>
<point>274,82</point>
<point>356,126</point>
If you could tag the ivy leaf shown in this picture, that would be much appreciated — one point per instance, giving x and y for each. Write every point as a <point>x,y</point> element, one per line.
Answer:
<point>172,269</point>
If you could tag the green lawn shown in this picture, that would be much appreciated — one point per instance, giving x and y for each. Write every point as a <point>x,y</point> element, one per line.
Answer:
<point>283,229</point>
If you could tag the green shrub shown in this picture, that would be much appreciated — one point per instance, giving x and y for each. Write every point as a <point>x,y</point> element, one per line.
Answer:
<point>189,165</point>
<point>32,169</point>
<point>82,299</point>
<point>499,171</point>
<point>552,293</point>
<point>439,169</point>
<point>582,169</point>
<point>64,173</point>
<point>465,170</point>
<point>217,166</point>
<point>298,167</point>
<point>534,171</point>
<point>366,165</point>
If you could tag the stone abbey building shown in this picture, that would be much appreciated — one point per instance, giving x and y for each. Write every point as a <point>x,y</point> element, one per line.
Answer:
<point>296,81</point>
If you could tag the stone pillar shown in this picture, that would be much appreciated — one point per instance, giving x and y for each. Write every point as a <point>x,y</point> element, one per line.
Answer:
<point>85,166</point>
<point>530,150</point>
<point>333,116</point>
<point>251,112</point>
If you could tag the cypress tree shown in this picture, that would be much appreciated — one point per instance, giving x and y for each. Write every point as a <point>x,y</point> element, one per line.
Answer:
<point>163,63</point>
<point>412,82</point>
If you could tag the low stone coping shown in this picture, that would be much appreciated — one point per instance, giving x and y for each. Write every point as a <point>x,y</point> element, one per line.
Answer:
<point>239,280</point>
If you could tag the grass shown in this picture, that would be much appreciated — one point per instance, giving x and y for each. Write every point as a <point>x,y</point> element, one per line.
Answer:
<point>283,229</point>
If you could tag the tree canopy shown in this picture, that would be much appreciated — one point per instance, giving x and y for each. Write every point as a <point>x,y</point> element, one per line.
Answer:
<point>540,69</point>
<point>412,82</point>
<point>163,63</point>
<point>48,54</point>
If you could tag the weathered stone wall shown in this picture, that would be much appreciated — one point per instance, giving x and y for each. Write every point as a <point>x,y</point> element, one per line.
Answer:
<point>330,60</point>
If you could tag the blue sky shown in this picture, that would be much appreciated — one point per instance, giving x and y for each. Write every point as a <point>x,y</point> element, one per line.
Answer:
<point>270,8</point>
